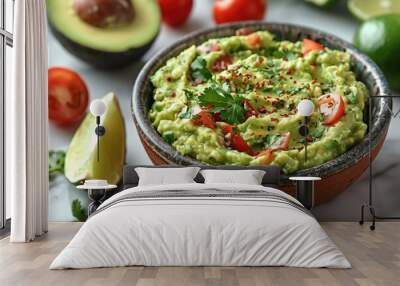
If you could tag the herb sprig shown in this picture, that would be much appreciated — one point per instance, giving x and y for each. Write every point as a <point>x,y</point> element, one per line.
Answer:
<point>230,107</point>
<point>200,71</point>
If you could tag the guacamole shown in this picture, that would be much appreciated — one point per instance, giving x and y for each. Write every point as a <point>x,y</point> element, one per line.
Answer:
<point>234,101</point>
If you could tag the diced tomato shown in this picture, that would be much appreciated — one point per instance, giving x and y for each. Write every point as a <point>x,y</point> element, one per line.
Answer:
<point>253,40</point>
<point>250,110</point>
<point>282,143</point>
<point>201,117</point>
<point>332,106</point>
<point>267,156</point>
<point>244,31</point>
<point>222,63</point>
<point>236,140</point>
<point>239,144</point>
<point>213,47</point>
<point>226,128</point>
<point>310,45</point>
<point>217,116</point>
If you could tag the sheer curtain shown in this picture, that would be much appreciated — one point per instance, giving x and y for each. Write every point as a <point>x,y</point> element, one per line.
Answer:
<point>26,123</point>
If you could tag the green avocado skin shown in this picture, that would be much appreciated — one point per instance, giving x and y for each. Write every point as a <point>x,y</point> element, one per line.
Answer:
<point>101,59</point>
<point>379,38</point>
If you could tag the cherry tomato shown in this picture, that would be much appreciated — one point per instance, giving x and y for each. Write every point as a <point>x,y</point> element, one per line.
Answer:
<point>310,45</point>
<point>68,96</point>
<point>175,12</point>
<point>201,117</point>
<point>332,106</point>
<point>226,11</point>
<point>267,156</point>
<point>253,40</point>
<point>222,63</point>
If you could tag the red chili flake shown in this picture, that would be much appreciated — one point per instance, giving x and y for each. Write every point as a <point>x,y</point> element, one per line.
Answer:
<point>290,70</point>
<point>173,94</point>
<point>285,115</point>
<point>274,119</point>
<point>261,109</point>
<point>313,81</point>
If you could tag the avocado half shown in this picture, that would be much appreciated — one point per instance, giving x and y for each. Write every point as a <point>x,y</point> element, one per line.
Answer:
<point>105,47</point>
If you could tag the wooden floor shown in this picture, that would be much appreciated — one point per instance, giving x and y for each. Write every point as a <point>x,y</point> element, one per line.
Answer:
<point>375,257</point>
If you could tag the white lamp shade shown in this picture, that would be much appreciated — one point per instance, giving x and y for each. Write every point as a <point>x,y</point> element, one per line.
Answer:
<point>97,107</point>
<point>305,107</point>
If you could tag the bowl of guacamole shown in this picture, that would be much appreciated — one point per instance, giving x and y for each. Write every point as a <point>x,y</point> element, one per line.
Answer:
<point>229,96</point>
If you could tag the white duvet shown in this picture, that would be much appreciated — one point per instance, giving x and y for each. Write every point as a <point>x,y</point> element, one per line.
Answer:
<point>190,231</point>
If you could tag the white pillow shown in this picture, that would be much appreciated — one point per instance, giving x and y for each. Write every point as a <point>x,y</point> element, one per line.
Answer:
<point>165,176</point>
<point>249,177</point>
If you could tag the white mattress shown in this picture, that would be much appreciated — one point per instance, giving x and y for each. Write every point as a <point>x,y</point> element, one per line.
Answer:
<point>191,231</point>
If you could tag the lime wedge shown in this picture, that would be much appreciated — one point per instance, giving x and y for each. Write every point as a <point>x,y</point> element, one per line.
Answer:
<point>366,9</point>
<point>322,3</point>
<point>81,158</point>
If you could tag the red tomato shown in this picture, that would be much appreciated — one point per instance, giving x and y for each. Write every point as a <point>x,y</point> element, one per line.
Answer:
<point>201,117</point>
<point>175,12</point>
<point>310,45</point>
<point>267,156</point>
<point>244,31</point>
<point>226,128</point>
<point>68,96</point>
<point>222,63</point>
<point>210,48</point>
<point>253,40</point>
<point>236,140</point>
<point>239,144</point>
<point>282,143</point>
<point>226,11</point>
<point>331,105</point>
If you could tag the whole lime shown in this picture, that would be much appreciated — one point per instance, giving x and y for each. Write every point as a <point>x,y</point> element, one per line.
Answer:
<point>379,38</point>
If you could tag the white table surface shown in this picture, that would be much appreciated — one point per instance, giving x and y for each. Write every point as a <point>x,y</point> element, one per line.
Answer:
<point>338,22</point>
<point>304,178</point>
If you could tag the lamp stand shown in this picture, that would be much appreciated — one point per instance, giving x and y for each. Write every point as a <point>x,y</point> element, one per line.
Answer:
<point>304,132</point>
<point>100,131</point>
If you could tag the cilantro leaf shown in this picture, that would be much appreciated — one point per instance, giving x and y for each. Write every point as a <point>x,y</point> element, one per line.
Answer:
<point>352,97</point>
<point>56,163</point>
<point>169,137</point>
<point>234,114</point>
<point>269,140</point>
<point>318,131</point>
<point>231,108</point>
<point>185,113</point>
<point>189,94</point>
<point>77,211</point>
<point>200,70</point>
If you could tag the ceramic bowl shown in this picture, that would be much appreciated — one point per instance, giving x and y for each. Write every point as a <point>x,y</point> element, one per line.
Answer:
<point>337,173</point>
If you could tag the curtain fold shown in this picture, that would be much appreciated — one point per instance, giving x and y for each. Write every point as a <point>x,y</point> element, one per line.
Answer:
<point>27,123</point>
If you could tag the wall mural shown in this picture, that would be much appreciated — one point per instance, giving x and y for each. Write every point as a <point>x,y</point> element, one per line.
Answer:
<point>224,96</point>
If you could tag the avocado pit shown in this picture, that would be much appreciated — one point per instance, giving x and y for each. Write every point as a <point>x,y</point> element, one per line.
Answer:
<point>104,13</point>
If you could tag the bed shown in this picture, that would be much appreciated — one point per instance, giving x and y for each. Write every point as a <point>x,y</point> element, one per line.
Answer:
<point>201,224</point>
